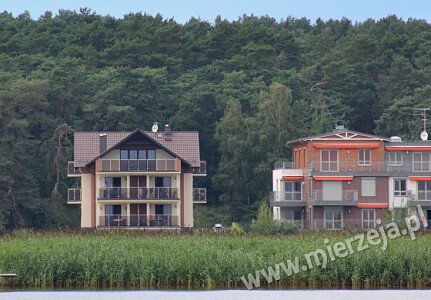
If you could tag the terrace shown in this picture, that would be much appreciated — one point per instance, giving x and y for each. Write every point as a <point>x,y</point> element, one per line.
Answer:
<point>138,165</point>
<point>138,220</point>
<point>138,193</point>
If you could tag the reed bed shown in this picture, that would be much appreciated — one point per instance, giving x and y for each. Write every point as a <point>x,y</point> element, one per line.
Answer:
<point>115,259</point>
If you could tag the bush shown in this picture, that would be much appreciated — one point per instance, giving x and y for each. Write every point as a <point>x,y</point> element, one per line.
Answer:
<point>236,229</point>
<point>264,222</point>
<point>284,226</point>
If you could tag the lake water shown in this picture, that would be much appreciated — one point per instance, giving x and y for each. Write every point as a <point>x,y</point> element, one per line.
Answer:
<point>222,294</point>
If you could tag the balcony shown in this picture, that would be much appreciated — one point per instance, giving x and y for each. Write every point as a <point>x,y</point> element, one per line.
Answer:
<point>286,165</point>
<point>347,198</point>
<point>201,170</point>
<point>423,198</point>
<point>141,220</point>
<point>352,166</point>
<point>138,165</point>
<point>199,195</point>
<point>286,199</point>
<point>72,170</point>
<point>74,196</point>
<point>353,224</point>
<point>138,193</point>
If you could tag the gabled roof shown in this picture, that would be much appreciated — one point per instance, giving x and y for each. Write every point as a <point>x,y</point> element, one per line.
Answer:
<point>339,135</point>
<point>181,144</point>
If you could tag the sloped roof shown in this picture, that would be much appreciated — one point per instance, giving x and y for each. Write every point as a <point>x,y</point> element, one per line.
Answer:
<point>184,144</point>
<point>335,132</point>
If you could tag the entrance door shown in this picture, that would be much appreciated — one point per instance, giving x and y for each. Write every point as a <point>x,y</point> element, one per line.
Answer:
<point>163,215</point>
<point>137,187</point>
<point>332,190</point>
<point>112,188</point>
<point>113,215</point>
<point>138,214</point>
<point>163,188</point>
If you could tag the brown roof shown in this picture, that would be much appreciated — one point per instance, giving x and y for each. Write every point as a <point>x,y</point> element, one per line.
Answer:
<point>184,144</point>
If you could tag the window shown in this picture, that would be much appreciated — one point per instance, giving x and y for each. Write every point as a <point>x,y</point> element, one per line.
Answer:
<point>395,159</point>
<point>137,154</point>
<point>364,157</point>
<point>368,186</point>
<point>294,216</point>
<point>368,218</point>
<point>292,190</point>
<point>400,187</point>
<point>329,160</point>
<point>333,218</point>
<point>421,162</point>
<point>424,190</point>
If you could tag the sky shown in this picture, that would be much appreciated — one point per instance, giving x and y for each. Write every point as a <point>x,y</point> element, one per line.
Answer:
<point>182,10</point>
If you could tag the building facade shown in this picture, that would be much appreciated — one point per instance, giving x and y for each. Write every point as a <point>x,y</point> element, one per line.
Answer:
<point>136,179</point>
<point>348,179</point>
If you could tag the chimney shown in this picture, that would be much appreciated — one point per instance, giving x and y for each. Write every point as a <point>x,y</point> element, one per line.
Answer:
<point>103,142</point>
<point>167,129</point>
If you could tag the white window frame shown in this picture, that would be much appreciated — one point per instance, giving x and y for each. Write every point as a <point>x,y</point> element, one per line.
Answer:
<point>400,192</point>
<point>332,220</point>
<point>361,160</point>
<point>293,193</point>
<point>367,222</point>
<point>395,162</point>
<point>424,194</point>
<point>422,162</point>
<point>364,179</point>
<point>329,161</point>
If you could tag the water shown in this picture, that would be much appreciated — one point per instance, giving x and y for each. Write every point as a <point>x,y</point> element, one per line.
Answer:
<point>222,294</point>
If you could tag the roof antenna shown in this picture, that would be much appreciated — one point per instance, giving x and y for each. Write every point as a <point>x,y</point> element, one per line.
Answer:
<point>423,114</point>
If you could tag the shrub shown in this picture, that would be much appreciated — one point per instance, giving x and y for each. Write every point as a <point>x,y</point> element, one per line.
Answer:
<point>264,222</point>
<point>236,229</point>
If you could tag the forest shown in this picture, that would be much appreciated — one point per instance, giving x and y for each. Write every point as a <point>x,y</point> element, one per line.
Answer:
<point>247,86</point>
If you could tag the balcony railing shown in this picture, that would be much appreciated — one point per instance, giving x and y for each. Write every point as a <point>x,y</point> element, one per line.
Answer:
<point>138,220</point>
<point>280,165</point>
<point>138,193</point>
<point>137,165</point>
<point>202,169</point>
<point>374,166</point>
<point>74,195</point>
<point>286,199</point>
<point>348,197</point>
<point>71,169</point>
<point>200,195</point>
<point>322,224</point>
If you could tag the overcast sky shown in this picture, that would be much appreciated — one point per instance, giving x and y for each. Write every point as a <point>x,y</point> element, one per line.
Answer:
<point>182,10</point>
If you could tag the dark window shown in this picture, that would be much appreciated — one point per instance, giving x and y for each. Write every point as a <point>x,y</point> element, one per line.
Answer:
<point>142,154</point>
<point>151,154</point>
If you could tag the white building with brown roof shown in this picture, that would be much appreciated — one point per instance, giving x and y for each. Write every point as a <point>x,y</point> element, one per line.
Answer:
<point>136,179</point>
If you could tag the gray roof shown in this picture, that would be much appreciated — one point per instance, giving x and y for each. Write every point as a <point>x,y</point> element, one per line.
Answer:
<point>404,144</point>
<point>335,131</point>
<point>184,144</point>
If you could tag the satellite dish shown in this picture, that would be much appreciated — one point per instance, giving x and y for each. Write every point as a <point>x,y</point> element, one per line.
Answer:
<point>155,128</point>
<point>424,135</point>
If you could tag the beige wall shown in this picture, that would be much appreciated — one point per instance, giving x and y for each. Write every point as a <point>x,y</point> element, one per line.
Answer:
<point>113,154</point>
<point>86,202</point>
<point>188,200</point>
<point>161,154</point>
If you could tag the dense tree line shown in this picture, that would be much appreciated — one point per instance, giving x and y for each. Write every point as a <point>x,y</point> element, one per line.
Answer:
<point>247,86</point>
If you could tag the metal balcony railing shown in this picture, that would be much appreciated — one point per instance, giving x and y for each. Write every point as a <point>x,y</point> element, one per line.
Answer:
<point>74,195</point>
<point>280,165</point>
<point>200,195</point>
<point>202,169</point>
<point>347,197</point>
<point>138,193</point>
<point>71,169</point>
<point>137,165</point>
<point>286,199</point>
<point>373,166</point>
<point>138,220</point>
